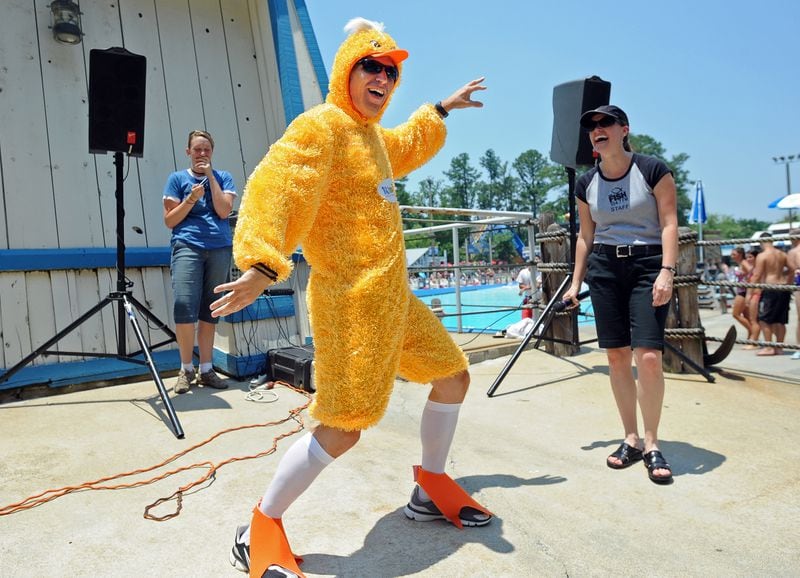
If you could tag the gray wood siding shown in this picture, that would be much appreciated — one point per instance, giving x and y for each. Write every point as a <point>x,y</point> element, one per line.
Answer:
<point>210,64</point>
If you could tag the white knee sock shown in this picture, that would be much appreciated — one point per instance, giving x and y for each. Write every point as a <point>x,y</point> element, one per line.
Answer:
<point>437,428</point>
<point>298,468</point>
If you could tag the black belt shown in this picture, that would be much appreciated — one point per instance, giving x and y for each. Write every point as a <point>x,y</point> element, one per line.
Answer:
<point>627,250</point>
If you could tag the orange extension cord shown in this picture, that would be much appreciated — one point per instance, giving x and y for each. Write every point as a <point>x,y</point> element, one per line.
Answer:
<point>48,495</point>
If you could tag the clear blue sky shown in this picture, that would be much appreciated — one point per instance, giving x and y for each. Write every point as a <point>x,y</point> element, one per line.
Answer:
<point>717,80</point>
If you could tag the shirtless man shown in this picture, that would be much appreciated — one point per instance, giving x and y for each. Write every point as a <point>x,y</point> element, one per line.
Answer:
<point>793,263</point>
<point>773,309</point>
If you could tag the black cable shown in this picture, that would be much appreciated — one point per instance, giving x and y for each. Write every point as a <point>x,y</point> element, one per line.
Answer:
<point>481,332</point>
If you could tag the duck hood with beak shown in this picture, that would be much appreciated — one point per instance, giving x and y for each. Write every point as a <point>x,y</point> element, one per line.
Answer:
<point>366,38</point>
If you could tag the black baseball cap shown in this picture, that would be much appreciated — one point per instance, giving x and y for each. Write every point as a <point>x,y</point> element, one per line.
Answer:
<point>614,112</point>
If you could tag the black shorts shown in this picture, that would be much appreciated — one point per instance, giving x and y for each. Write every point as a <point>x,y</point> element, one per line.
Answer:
<point>621,289</point>
<point>774,306</point>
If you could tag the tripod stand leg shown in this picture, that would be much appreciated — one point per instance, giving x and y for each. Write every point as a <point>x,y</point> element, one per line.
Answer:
<point>162,391</point>
<point>546,315</point>
<point>151,317</point>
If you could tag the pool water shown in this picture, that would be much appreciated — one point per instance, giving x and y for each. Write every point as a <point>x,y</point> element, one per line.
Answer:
<point>489,299</point>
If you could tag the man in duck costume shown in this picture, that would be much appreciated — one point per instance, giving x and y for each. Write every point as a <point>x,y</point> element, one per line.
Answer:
<point>328,184</point>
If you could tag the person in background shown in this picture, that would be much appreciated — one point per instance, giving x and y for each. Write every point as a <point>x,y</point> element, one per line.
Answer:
<point>627,250</point>
<point>773,307</point>
<point>328,184</point>
<point>526,289</point>
<point>752,298</point>
<point>793,278</point>
<point>741,272</point>
<point>197,203</point>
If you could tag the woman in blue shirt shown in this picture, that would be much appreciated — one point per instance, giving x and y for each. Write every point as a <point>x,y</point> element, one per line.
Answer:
<point>197,203</point>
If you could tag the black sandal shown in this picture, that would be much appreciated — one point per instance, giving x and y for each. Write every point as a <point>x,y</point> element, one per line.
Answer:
<point>625,453</point>
<point>654,460</point>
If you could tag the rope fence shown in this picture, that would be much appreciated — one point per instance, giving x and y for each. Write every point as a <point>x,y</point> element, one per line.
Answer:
<point>688,241</point>
<point>745,241</point>
<point>678,333</point>
<point>553,245</point>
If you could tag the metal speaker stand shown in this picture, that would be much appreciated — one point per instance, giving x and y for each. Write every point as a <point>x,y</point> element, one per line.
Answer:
<point>126,306</point>
<point>544,321</point>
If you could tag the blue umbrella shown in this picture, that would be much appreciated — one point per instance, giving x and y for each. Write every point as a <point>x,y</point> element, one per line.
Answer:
<point>774,204</point>
<point>698,214</point>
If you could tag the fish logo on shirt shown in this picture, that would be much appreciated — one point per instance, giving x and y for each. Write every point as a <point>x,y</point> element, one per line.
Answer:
<point>618,199</point>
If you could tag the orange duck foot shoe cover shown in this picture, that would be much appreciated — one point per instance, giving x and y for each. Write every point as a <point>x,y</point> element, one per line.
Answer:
<point>268,546</point>
<point>447,495</point>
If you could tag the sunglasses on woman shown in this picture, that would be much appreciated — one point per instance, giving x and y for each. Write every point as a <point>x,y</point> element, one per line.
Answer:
<point>604,122</point>
<point>375,67</point>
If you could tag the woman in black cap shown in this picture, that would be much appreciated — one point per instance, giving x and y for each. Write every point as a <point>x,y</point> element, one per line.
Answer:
<point>626,251</point>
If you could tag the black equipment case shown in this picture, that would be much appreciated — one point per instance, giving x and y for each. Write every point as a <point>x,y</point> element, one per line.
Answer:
<point>294,365</point>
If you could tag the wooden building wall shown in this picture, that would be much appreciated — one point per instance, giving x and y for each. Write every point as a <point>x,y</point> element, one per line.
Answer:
<point>212,64</point>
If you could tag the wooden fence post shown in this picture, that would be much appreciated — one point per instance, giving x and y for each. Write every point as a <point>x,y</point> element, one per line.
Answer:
<point>684,311</point>
<point>561,327</point>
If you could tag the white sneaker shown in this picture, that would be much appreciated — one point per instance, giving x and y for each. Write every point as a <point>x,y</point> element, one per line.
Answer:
<point>184,381</point>
<point>422,511</point>
<point>796,355</point>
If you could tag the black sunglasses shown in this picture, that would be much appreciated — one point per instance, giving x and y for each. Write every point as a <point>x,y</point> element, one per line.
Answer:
<point>604,122</point>
<point>375,67</point>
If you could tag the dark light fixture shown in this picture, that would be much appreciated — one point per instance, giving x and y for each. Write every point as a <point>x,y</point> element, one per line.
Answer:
<point>66,21</point>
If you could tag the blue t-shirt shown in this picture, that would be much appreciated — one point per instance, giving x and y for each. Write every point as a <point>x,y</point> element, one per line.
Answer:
<point>202,227</point>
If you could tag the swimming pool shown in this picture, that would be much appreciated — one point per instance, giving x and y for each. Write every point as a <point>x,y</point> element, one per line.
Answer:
<point>474,300</point>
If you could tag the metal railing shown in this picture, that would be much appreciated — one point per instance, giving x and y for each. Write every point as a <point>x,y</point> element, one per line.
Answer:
<point>485,217</point>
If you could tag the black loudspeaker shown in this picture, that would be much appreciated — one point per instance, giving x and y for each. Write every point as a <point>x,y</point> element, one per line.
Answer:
<point>570,145</point>
<point>116,101</point>
<point>294,365</point>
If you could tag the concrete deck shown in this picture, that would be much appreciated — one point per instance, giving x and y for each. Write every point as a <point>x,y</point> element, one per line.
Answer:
<point>534,454</point>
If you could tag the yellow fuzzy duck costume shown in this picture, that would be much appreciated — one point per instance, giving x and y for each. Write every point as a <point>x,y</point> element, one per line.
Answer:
<point>327,185</point>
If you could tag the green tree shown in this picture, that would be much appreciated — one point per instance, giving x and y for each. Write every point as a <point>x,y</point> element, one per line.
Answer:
<point>498,193</point>
<point>404,197</point>
<point>463,187</point>
<point>430,193</point>
<point>729,228</point>
<point>503,248</point>
<point>537,177</point>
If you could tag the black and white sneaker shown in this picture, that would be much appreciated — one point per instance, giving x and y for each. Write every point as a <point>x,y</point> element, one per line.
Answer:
<point>278,572</point>
<point>426,511</point>
<point>240,558</point>
<point>240,553</point>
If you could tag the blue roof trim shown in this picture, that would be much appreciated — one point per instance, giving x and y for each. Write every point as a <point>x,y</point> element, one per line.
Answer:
<point>93,370</point>
<point>81,258</point>
<point>88,258</point>
<point>264,307</point>
<point>313,47</point>
<point>287,59</point>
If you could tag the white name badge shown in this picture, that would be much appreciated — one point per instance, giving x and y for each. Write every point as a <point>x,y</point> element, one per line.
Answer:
<point>386,190</point>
